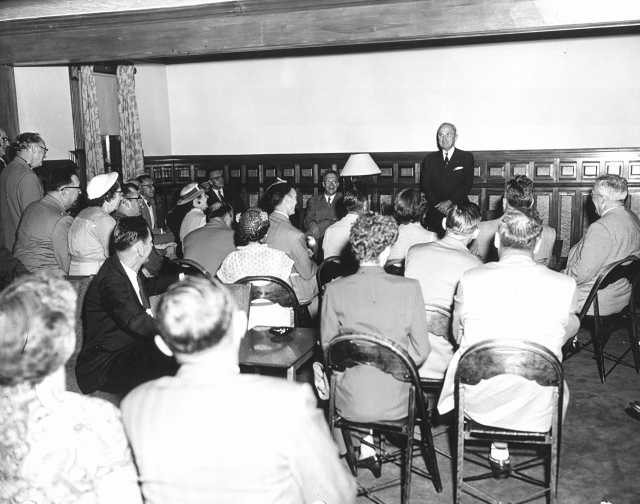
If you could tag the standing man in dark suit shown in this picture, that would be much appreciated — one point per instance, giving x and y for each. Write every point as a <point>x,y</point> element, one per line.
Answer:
<point>118,352</point>
<point>148,207</point>
<point>321,209</point>
<point>446,177</point>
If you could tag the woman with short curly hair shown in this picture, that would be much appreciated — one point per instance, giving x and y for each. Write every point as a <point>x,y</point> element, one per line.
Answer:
<point>374,302</point>
<point>55,446</point>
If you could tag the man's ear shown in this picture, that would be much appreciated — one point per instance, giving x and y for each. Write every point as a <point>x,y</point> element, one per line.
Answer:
<point>504,203</point>
<point>496,240</point>
<point>444,223</point>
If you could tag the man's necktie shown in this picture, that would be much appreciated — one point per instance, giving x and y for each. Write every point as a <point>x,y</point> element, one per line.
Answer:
<point>446,159</point>
<point>143,294</point>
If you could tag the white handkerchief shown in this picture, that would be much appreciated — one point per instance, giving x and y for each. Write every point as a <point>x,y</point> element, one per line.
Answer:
<point>458,168</point>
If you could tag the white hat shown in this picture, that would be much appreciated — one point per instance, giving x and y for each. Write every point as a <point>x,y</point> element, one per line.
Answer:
<point>100,184</point>
<point>189,193</point>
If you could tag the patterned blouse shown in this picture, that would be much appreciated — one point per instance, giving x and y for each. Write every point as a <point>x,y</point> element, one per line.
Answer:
<point>61,447</point>
<point>255,259</point>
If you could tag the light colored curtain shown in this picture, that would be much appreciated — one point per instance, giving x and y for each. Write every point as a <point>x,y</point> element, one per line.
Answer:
<point>90,122</point>
<point>130,138</point>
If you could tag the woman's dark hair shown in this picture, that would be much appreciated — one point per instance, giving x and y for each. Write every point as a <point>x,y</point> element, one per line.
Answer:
<point>410,206</point>
<point>274,194</point>
<point>128,231</point>
<point>252,226</point>
<point>108,196</point>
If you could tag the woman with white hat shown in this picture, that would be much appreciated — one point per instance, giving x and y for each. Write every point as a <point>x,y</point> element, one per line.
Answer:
<point>90,232</point>
<point>195,218</point>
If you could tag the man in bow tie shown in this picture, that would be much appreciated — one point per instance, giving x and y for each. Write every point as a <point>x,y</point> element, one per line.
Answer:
<point>321,209</point>
<point>446,176</point>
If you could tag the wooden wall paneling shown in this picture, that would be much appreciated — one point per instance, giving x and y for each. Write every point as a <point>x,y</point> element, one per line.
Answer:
<point>9,120</point>
<point>543,201</point>
<point>634,201</point>
<point>493,203</point>
<point>564,229</point>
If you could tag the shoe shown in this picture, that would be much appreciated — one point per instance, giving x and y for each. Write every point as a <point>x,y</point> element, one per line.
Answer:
<point>371,463</point>
<point>633,410</point>
<point>501,469</point>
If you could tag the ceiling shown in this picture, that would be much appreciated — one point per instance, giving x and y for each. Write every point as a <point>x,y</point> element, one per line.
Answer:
<point>39,32</point>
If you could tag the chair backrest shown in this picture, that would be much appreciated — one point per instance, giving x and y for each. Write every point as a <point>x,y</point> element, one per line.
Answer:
<point>191,268</point>
<point>628,268</point>
<point>330,269</point>
<point>272,289</point>
<point>490,358</point>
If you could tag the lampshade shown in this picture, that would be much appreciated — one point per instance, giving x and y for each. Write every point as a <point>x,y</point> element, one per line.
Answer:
<point>358,165</point>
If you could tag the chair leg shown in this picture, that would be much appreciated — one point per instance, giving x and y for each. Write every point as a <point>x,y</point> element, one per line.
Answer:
<point>459,460</point>
<point>429,455</point>
<point>598,347</point>
<point>633,334</point>
<point>406,475</point>
<point>352,459</point>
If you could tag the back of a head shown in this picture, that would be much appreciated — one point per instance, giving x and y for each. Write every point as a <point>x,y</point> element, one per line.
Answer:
<point>611,187</point>
<point>37,328</point>
<point>128,231</point>
<point>274,194</point>
<point>194,315</point>
<point>519,192</point>
<point>218,210</point>
<point>252,226</point>
<point>409,206</point>
<point>60,176</point>
<point>519,229</point>
<point>354,201</point>
<point>463,218</point>
<point>371,234</point>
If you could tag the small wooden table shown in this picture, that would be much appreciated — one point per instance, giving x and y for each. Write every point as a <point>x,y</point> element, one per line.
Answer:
<point>257,349</point>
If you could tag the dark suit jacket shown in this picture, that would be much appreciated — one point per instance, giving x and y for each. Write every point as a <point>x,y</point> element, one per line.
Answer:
<point>453,182</point>
<point>320,215</point>
<point>230,197</point>
<point>113,320</point>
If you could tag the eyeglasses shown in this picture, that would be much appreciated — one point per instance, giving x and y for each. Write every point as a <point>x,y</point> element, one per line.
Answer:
<point>4,138</point>
<point>147,185</point>
<point>71,187</point>
<point>133,197</point>
<point>44,149</point>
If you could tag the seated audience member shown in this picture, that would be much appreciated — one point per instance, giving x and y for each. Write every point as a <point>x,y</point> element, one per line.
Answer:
<point>438,266</point>
<point>210,244</point>
<point>213,447</point>
<point>512,299</point>
<point>57,446</point>
<point>614,236</point>
<point>10,268</point>
<point>408,210</point>
<point>118,352</point>
<point>148,208</point>
<point>519,195</point>
<point>374,302</point>
<point>131,205</point>
<point>336,237</point>
<point>255,258</point>
<point>195,197</point>
<point>19,184</point>
<point>4,146</point>
<point>42,238</point>
<point>279,200</point>
<point>321,210</point>
<point>90,231</point>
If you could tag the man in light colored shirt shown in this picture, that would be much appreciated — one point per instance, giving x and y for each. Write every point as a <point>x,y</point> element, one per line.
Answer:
<point>438,266</point>
<point>614,236</point>
<point>148,205</point>
<point>19,185</point>
<point>321,209</point>
<point>512,299</point>
<point>42,238</point>
<point>196,436</point>
<point>518,194</point>
<point>336,237</point>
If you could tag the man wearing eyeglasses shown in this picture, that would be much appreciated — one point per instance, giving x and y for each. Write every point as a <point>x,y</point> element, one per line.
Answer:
<point>41,239</point>
<point>19,185</point>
